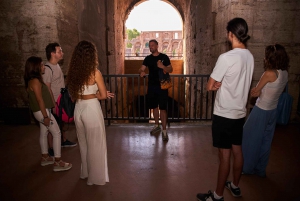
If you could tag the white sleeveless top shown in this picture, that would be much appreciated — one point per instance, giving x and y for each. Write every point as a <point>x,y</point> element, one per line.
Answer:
<point>90,89</point>
<point>270,93</point>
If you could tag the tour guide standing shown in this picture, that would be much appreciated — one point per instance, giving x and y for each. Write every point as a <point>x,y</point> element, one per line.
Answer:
<point>232,77</point>
<point>156,97</point>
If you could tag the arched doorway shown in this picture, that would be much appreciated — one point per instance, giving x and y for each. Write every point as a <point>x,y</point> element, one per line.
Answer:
<point>160,21</point>
<point>148,20</point>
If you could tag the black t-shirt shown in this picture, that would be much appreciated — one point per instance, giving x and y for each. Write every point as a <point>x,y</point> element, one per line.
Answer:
<point>151,62</point>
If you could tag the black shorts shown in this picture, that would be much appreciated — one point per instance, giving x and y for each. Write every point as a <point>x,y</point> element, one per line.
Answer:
<point>227,132</point>
<point>156,97</point>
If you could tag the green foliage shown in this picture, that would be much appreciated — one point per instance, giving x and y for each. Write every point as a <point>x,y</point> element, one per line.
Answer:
<point>132,33</point>
<point>129,45</point>
<point>173,52</point>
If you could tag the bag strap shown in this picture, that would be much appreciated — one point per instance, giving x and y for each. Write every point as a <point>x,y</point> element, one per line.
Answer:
<point>161,74</point>
<point>49,68</point>
<point>163,59</point>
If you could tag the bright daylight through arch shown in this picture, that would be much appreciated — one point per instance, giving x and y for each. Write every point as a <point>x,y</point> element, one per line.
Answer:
<point>153,19</point>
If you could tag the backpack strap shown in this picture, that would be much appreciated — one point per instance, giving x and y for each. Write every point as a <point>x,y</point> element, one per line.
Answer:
<point>49,68</point>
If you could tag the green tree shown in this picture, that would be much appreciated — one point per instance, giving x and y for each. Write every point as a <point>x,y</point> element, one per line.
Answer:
<point>173,52</point>
<point>132,33</point>
<point>129,45</point>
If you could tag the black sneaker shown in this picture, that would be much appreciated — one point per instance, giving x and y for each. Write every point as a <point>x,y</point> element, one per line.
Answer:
<point>51,152</point>
<point>67,143</point>
<point>236,192</point>
<point>207,197</point>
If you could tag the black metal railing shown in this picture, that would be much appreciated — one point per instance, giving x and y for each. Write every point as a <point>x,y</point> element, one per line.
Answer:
<point>171,55</point>
<point>188,99</point>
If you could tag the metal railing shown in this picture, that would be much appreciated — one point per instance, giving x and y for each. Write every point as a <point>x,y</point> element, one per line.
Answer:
<point>171,55</point>
<point>188,99</point>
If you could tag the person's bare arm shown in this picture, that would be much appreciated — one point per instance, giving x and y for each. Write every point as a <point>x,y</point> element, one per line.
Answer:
<point>267,76</point>
<point>110,95</point>
<point>102,93</point>
<point>213,85</point>
<point>36,86</point>
<point>142,71</point>
<point>168,69</point>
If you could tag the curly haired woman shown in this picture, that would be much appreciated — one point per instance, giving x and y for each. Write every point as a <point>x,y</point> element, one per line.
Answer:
<point>260,126</point>
<point>40,102</point>
<point>86,87</point>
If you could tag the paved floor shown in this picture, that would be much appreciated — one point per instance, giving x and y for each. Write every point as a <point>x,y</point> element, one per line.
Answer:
<point>142,167</point>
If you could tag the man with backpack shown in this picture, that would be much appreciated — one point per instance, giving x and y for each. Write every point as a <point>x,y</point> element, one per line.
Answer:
<point>54,79</point>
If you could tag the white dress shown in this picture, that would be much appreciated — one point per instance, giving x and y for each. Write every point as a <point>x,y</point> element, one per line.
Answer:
<point>91,135</point>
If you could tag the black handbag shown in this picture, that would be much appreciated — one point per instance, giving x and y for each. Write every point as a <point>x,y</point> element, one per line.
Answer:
<point>165,80</point>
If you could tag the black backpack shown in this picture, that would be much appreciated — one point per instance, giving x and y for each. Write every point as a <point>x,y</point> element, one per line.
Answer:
<point>65,105</point>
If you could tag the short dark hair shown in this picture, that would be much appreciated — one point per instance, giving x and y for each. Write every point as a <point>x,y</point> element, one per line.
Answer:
<point>239,27</point>
<point>51,47</point>
<point>154,41</point>
<point>276,58</point>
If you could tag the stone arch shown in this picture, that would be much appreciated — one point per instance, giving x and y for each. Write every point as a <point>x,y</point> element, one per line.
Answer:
<point>195,17</point>
<point>165,46</point>
<point>175,45</point>
<point>134,3</point>
<point>137,46</point>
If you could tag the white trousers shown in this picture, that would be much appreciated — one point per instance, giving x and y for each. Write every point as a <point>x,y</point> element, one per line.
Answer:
<point>91,136</point>
<point>44,130</point>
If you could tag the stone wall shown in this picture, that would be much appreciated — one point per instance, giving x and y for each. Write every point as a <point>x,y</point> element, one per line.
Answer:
<point>95,24</point>
<point>26,28</point>
<point>167,43</point>
<point>270,22</point>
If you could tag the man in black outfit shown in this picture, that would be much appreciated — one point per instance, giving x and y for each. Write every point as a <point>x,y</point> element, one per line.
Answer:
<point>157,98</point>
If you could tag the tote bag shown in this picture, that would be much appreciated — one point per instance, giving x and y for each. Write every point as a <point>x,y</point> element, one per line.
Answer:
<point>284,107</point>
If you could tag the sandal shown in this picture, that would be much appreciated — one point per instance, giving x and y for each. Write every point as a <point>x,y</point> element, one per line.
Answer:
<point>47,161</point>
<point>61,166</point>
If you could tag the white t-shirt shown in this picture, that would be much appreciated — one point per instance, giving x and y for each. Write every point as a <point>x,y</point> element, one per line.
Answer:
<point>234,69</point>
<point>55,78</point>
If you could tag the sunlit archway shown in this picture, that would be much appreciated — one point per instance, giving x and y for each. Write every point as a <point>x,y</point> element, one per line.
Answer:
<point>153,19</point>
